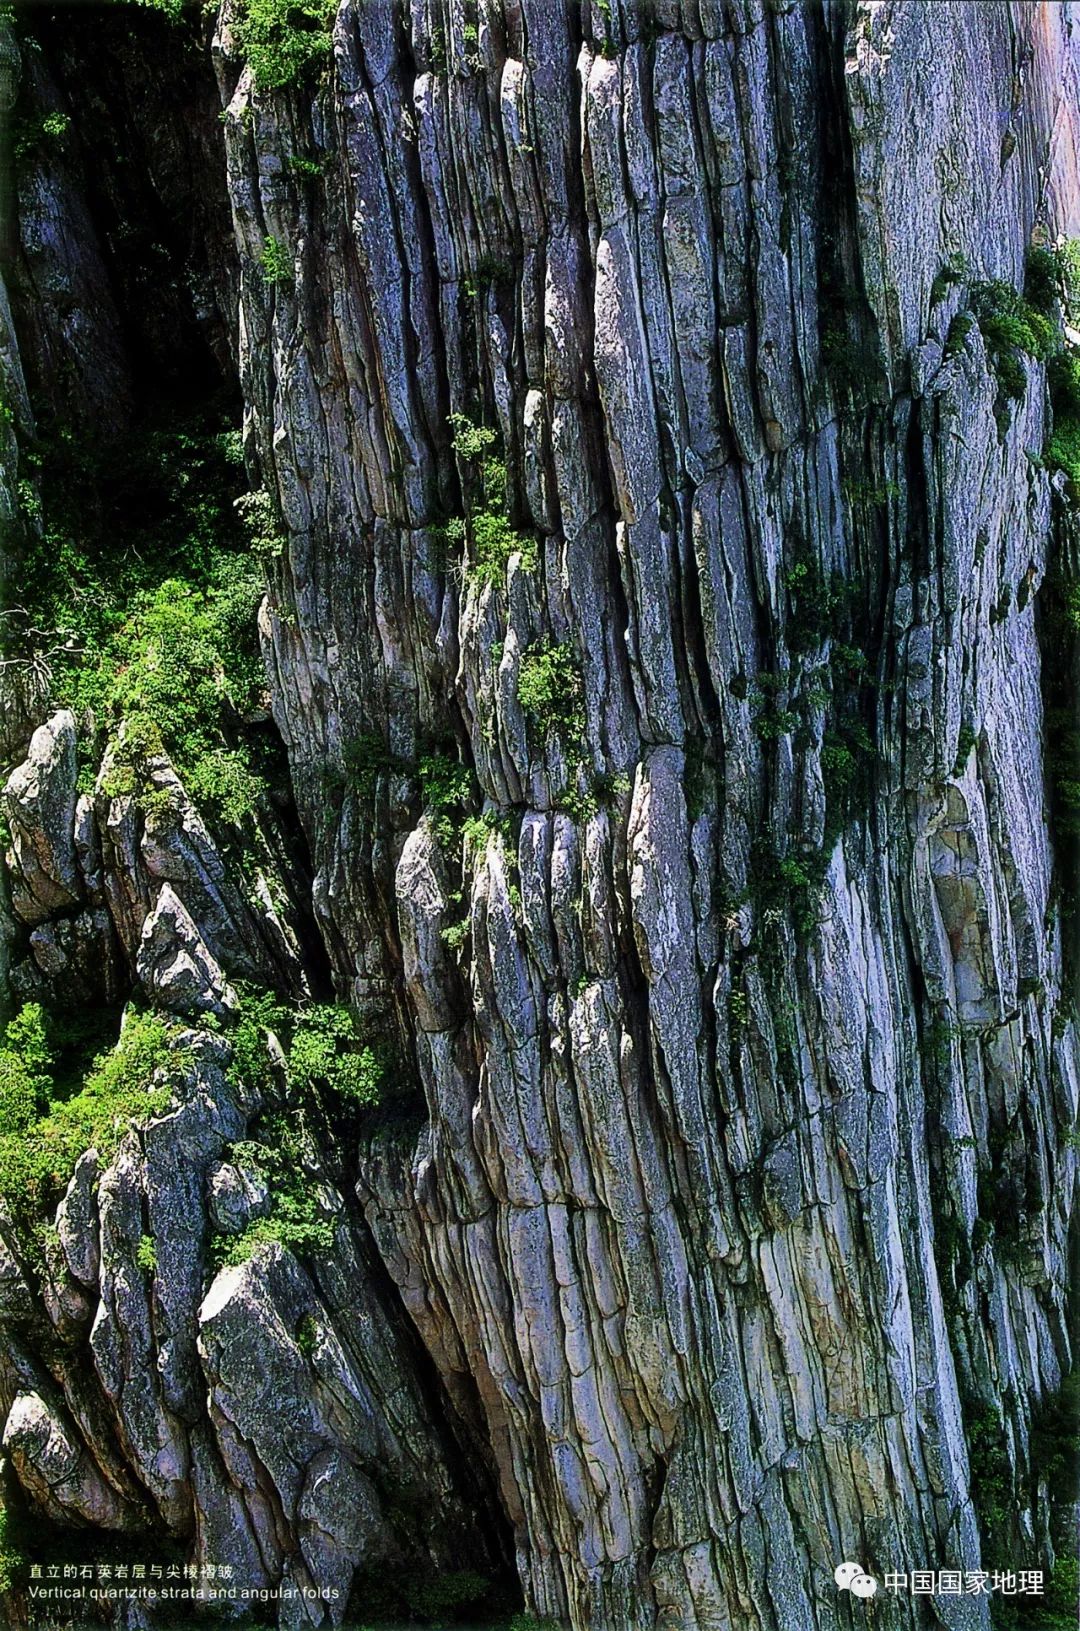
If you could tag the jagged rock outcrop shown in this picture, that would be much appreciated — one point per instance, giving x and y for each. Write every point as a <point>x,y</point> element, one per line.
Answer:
<point>740,1209</point>
<point>133,883</point>
<point>265,1415</point>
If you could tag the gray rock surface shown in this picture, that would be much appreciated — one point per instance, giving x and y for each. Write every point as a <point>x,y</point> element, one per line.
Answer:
<point>174,964</point>
<point>733,1212</point>
<point>39,799</point>
<point>55,1467</point>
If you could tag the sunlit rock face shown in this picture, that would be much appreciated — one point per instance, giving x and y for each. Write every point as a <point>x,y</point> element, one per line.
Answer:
<point>733,1218</point>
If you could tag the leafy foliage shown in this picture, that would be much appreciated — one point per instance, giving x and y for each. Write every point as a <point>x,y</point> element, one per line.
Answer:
<point>1062,451</point>
<point>172,666</point>
<point>321,1043</point>
<point>38,1157</point>
<point>1054,1458</point>
<point>494,540</point>
<point>34,135</point>
<point>295,1221</point>
<point>284,40</point>
<point>470,441</point>
<point>446,1593</point>
<point>1012,328</point>
<point>276,263</point>
<point>13,1558</point>
<point>142,583</point>
<point>447,788</point>
<point>1052,278</point>
<point>307,1335</point>
<point>25,1069</point>
<point>550,688</point>
<point>326,1047</point>
<point>1055,1440</point>
<point>265,535</point>
<point>172,9</point>
<point>323,1050</point>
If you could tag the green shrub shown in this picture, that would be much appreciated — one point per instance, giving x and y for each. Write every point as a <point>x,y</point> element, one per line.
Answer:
<point>446,1593</point>
<point>172,9</point>
<point>789,884</point>
<point>550,688</point>
<point>223,781</point>
<point>1054,1447</point>
<point>494,540</point>
<point>296,1219</point>
<point>366,758</point>
<point>13,1559</point>
<point>36,1163</point>
<point>301,165</point>
<point>1042,279</point>
<point>36,135</point>
<point>1062,451</point>
<point>1011,328</point>
<point>260,1012</point>
<point>25,1069</point>
<point>815,599</point>
<point>321,1044</point>
<point>1055,1440</point>
<point>276,263</point>
<point>172,672</point>
<point>990,1468</point>
<point>965,742</point>
<point>294,1223</point>
<point>265,535</point>
<point>955,270</point>
<point>326,1047</point>
<point>284,40</point>
<point>447,788</point>
<point>1060,1609</point>
<point>143,582</point>
<point>444,782</point>
<point>959,329</point>
<point>470,441</point>
<point>1052,279</point>
<point>146,1254</point>
<point>1063,378</point>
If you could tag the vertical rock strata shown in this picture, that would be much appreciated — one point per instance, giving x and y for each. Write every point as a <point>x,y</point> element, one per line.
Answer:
<point>741,1016</point>
<point>674,1217</point>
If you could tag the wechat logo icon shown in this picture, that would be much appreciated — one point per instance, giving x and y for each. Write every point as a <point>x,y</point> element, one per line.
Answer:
<point>853,1577</point>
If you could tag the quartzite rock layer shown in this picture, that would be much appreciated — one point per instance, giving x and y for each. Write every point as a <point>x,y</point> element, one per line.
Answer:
<point>745,1180</point>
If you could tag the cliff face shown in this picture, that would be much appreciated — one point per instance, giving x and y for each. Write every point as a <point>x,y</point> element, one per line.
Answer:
<point>627,440</point>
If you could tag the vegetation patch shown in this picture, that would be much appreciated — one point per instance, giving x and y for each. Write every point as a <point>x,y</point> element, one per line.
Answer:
<point>276,263</point>
<point>14,1560</point>
<point>1054,1458</point>
<point>44,1133</point>
<point>321,1043</point>
<point>550,689</point>
<point>1012,328</point>
<point>284,41</point>
<point>330,1072</point>
<point>486,523</point>
<point>828,687</point>
<point>141,600</point>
